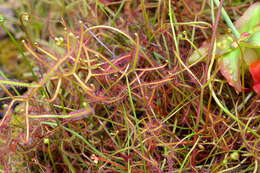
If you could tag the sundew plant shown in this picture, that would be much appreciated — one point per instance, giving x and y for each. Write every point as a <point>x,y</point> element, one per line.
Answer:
<point>130,86</point>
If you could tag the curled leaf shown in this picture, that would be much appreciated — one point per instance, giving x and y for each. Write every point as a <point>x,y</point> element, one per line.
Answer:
<point>230,68</point>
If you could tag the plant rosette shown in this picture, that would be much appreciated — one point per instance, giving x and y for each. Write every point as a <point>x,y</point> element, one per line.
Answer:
<point>234,55</point>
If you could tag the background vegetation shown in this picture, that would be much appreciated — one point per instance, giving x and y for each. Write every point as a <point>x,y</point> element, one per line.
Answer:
<point>104,86</point>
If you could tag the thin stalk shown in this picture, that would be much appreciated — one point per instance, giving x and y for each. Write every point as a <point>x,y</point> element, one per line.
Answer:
<point>228,21</point>
<point>222,107</point>
<point>171,14</point>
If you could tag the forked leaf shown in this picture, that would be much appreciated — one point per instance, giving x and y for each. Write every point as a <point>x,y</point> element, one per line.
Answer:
<point>249,20</point>
<point>230,68</point>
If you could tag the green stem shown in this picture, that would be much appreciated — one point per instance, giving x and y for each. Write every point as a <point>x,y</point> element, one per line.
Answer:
<point>228,21</point>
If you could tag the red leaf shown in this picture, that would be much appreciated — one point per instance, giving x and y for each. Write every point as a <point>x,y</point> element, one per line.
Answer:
<point>256,88</point>
<point>255,72</point>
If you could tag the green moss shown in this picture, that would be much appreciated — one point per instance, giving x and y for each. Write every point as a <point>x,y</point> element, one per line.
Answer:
<point>10,62</point>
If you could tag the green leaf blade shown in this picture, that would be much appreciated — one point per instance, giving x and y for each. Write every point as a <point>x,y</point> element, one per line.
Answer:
<point>230,68</point>
<point>250,19</point>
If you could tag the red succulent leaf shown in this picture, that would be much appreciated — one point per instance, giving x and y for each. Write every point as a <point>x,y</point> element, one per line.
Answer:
<point>255,72</point>
<point>256,88</point>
